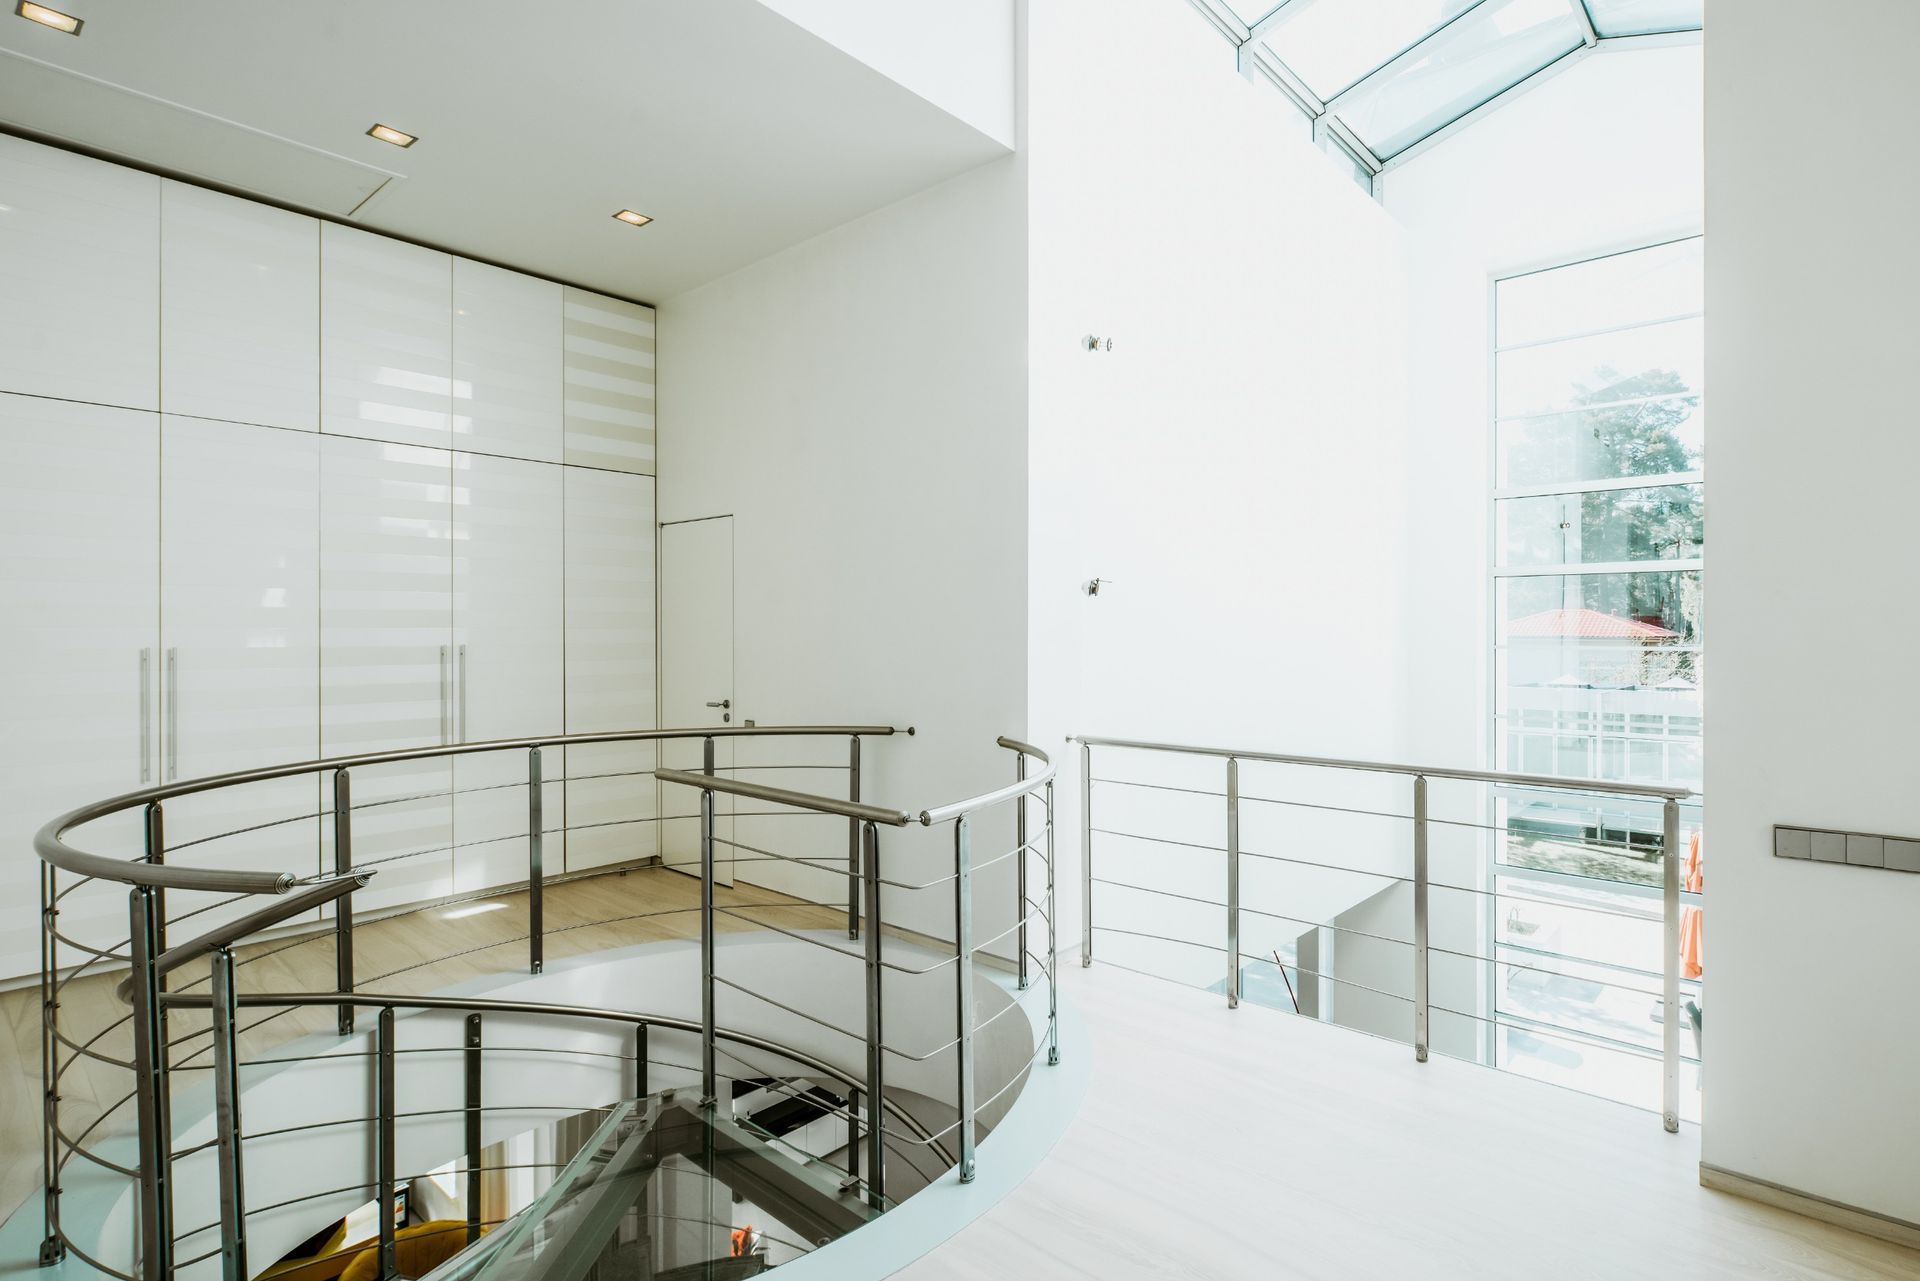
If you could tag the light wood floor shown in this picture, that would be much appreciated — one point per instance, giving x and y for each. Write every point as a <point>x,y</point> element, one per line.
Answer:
<point>416,952</point>
<point>1216,1144</point>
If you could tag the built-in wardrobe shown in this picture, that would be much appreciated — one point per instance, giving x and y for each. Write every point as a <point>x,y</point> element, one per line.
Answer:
<point>273,489</point>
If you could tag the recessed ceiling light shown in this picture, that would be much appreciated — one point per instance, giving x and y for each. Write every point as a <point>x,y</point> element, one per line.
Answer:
<point>48,17</point>
<point>387,133</point>
<point>634,219</point>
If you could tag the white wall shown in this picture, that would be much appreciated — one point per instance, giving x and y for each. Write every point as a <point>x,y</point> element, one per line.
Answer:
<point>1602,156</point>
<point>1233,465</point>
<point>858,405</point>
<point>1812,271</point>
<point>960,57</point>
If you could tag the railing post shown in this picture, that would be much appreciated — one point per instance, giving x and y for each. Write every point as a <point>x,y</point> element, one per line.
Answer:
<point>963,989</point>
<point>1086,856</point>
<point>53,1247</point>
<point>383,1106</point>
<point>150,1092</point>
<point>472,1116</point>
<point>876,1083</point>
<point>853,1132</point>
<point>709,1074</point>
<point>1670,966</point>
<point>1420,1010</point>
<point>536,867</point>
<point>343,907</point>
<point>853,840</point>
<point>640,1052</point>
<point>1053,948</point>
<point>1020,869</point>
<point>1233,883</point>
<point>226,1115</point>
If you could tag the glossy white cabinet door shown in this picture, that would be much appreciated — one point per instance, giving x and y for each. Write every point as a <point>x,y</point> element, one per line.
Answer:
<point>240,641</point>
<point>79,277</point>
<point>610,383</point>
<point>79,540</point>
<point>386,338</point>
<point>506,362</point>
<point>611,806</point>
<point>509,638</point>
<point>386,653</point>
<point>239,310</point>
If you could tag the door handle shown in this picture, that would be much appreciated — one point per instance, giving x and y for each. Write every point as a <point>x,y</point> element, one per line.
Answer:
<point>445,699</point>
<point>726,715</point>
<point>461,670</point>
<point>146,716</point>
<point>173,714</point>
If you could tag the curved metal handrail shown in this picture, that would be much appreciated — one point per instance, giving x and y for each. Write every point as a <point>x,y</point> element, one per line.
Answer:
<point>469,1004</point>
<point>50,845</point>
<point>150,875</point>
<point>986,800</point>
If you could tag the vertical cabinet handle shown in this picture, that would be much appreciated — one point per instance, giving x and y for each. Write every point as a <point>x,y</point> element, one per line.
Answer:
<point>146,715</point>
<point>173,714</point>
<point>446,734</point>
<point>463,694</point>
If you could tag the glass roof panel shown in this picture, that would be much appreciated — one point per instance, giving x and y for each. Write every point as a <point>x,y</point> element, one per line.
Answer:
<point>1486,52</point>
<point>1644,17</point>
<point>1332,43</point>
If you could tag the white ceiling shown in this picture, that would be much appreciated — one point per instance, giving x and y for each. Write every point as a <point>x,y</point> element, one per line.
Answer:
<point>739,132</point>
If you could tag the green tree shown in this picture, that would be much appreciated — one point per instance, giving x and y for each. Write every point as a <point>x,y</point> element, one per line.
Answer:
<point>1624,425</point>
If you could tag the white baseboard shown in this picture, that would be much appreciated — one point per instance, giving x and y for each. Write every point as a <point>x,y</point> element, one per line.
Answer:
<point>1867,1222</point>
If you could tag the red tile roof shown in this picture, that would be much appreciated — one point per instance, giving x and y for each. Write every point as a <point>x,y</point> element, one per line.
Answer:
<point>1588,624</point>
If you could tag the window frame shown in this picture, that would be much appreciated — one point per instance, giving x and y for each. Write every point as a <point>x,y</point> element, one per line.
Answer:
<point>1499,719</point>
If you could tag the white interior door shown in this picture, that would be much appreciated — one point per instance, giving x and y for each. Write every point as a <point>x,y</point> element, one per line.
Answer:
<point>696,677</point>
<point>79,586</point>
<point>239,674</point>
<point>611,798</point>
<point>509,640</point>
<point>386,655</point>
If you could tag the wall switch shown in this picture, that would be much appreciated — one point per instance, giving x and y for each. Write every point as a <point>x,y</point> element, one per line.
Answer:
<point>1866,851</point>
<point>1856,849</point>
<point>1829,847</point>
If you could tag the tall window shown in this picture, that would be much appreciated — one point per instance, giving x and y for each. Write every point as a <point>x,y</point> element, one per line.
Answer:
<point>1598,662</point>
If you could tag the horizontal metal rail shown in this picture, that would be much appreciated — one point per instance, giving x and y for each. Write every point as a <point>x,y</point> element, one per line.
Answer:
<point>1654,791</point>
<point>785,796</point>
<point>469,1004</point>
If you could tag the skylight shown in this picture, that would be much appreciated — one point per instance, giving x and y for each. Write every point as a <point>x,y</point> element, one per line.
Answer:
<point>1379,77</point>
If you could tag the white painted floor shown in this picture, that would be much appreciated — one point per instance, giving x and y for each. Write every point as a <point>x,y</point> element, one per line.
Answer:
<point>1251,1143</point>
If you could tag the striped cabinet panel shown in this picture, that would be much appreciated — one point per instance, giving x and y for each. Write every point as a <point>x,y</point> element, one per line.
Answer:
<point>79,585</point>
<point>609,383</point>
<point>79,278</point>
<point>386,653</point>
<point>610,666</point>
<point>386,338</point>
<point>506,362</point>
<point>239,310</point>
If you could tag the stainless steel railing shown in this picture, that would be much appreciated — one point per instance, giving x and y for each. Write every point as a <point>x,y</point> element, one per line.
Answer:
<point>870,819</point>
<point>157,1056</point>
<point>1421,825</point>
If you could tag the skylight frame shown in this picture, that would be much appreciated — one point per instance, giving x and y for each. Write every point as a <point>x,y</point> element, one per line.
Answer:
<point>1254,56</point>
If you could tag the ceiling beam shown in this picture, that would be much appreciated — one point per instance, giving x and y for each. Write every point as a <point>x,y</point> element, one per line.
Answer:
<point>1588,32</point>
